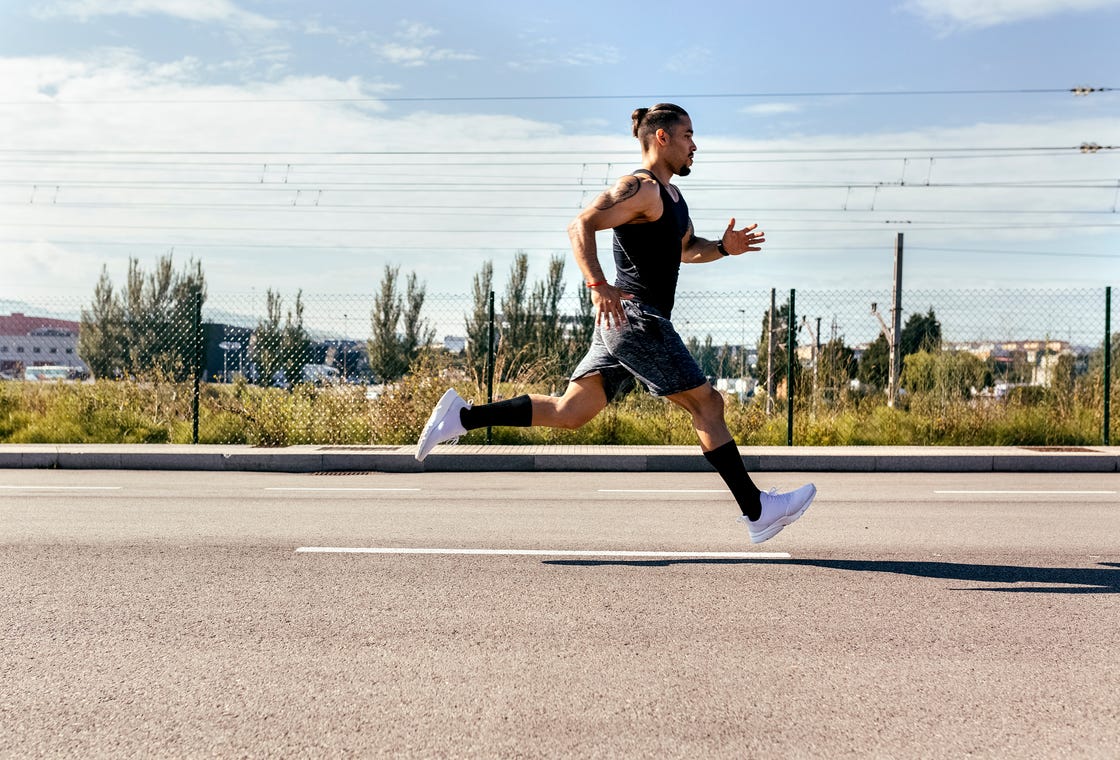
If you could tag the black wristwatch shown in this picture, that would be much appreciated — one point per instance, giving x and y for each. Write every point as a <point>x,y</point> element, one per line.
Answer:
<point>721,249</point>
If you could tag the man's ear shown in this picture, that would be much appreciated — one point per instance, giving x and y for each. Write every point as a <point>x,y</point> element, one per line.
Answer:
<point>662,136</point>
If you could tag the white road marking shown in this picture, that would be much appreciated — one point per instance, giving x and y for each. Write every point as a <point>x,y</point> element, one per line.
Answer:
<point>293,488</point>
<point>662,490</point>
<point>544,553</point>
<point>61,488</point>
<point>1059,493</point>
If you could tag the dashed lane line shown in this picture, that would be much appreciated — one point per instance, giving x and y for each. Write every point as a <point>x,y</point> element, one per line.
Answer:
<point>1029,493</point>
<point>324,488</point>
<point>662,490</point>
<point>542,553</point>
<point>60,488</point>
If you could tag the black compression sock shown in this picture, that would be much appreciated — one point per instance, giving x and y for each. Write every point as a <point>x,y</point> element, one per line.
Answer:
<point>514,412</point>
<point>729,465</point>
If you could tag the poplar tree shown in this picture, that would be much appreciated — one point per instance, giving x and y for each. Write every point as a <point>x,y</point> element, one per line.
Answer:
<point>477,323</point>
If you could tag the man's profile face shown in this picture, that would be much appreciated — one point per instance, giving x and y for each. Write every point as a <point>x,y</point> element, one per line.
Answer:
<point>681,147</point>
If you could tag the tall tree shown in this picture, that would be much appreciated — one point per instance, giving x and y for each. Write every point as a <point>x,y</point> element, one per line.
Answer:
<point>478,322</point>
<point>418,334</point>
<point>148,326</point>
<point>836,365</point>
<point>517,322</point>
<point>391,348</point>
<point>295,344</point>
<point>548,328</point>
<point>875,364</point>
<point>101,337</point>
<point>778,346</point>
<point>267,340</point>
<point>922,332</point>
<point>384,344</point>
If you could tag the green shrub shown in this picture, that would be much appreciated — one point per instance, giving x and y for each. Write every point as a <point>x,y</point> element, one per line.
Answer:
<point>160,412</point>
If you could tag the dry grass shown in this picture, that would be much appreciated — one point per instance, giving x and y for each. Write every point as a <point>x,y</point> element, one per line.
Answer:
<point>160,412</point>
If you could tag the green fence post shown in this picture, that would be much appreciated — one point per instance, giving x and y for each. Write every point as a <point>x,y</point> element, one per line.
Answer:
<point>490,364</point>
<point>1107,365</point>
<point>196,336</point>
<point>789,371</point>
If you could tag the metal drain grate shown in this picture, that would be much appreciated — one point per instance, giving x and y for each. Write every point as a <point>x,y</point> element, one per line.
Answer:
<point>359,448</point>
<point>1062,449</point>
<point>343,472</point>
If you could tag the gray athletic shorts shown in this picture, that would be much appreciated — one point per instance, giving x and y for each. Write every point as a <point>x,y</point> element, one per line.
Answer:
<point>647,348</point>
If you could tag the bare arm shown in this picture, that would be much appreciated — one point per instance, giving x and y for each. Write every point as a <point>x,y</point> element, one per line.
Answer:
<point>631,199</point>
<point>697,250</point>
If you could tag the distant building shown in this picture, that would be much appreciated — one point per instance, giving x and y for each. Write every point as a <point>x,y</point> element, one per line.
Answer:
<point>225,351</point>
<point>28,341</point>
<point>743,387</point>
<point>1029,349</point>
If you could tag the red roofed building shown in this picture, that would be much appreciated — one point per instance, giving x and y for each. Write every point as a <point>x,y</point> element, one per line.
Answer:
<point>21,324</point>
<point>27,341</point>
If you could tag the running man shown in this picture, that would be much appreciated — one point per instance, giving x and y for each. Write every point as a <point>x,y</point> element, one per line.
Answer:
<point>634,339</point>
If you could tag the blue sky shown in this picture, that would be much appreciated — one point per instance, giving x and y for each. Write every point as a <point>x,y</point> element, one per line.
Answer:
<point>307,145</point>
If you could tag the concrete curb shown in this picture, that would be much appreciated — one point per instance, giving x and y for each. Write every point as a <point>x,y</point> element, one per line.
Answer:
<point>304,459</point>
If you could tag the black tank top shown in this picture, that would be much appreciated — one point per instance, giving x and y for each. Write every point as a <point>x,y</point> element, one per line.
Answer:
<point>647,255</point>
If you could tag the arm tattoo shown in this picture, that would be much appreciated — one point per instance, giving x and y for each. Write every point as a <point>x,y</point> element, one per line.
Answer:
<point>627,187</point>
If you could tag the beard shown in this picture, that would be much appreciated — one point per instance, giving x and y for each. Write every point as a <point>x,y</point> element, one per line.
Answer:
<point>684,171</point>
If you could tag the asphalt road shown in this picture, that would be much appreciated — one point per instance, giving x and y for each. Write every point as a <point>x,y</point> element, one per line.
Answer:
<point>171,615</point>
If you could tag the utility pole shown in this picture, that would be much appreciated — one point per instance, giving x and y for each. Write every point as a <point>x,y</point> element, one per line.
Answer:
<point>741,389</point>
<point>896,322</point>
<point>770,355</point>
<point>894,332</point>
<point>816,355</point>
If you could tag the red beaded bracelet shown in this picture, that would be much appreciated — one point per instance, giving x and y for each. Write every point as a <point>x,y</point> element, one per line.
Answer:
<point>596,284</point>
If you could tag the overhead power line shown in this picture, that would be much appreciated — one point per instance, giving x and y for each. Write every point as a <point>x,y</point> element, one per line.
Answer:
<point>1077,91</point>
<point>435,247</point>
<point>441,162</point>
<point>505,210</point>
<point>625,152</point>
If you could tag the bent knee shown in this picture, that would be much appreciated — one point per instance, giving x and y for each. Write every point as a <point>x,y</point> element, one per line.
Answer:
<point>714,399</point>
<point>705,402</point>
<point>572,416</point>
<point>573,420</point>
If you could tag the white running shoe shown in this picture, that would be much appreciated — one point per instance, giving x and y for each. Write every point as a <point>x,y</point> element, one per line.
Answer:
<point>778,511</point>
<point>443,425</point>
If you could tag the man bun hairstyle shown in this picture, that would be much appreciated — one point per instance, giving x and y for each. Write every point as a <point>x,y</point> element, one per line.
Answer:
<point>646,121</point>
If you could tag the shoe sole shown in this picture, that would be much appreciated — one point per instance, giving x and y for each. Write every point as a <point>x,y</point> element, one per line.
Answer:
<point>776,527</point>
<point>436,417</point>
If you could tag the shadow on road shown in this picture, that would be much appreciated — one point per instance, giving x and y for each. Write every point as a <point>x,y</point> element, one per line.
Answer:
<point>1102,579</point>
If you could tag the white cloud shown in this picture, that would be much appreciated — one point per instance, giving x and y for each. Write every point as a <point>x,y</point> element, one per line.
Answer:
<point>592,55</point>
<point>690,60</point>
<point>409,47</point>
<point>979,14</point>
<point>771,109</point>
<point>585,55</point>
<point>415,32</point>
<point>238,210</point>
<point>204,11</point>
<point>415,55</point>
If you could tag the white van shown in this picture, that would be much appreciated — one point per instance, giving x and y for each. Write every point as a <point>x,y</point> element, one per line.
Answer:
<point>47,374</point>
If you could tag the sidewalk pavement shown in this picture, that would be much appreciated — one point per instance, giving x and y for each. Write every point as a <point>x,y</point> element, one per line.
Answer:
<point>474,458</point>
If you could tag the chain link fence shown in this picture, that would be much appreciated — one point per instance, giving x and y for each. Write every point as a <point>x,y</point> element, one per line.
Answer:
<point>175,364</point>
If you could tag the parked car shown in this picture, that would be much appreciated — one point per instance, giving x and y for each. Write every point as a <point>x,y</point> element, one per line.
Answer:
<point>51,373</point>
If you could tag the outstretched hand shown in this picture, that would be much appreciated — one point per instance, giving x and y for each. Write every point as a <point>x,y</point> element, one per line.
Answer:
<point>737,242</point>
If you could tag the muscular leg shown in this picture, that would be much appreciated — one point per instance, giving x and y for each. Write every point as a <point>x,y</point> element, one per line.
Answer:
<point>705,404</point>
<point>583,399</point>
